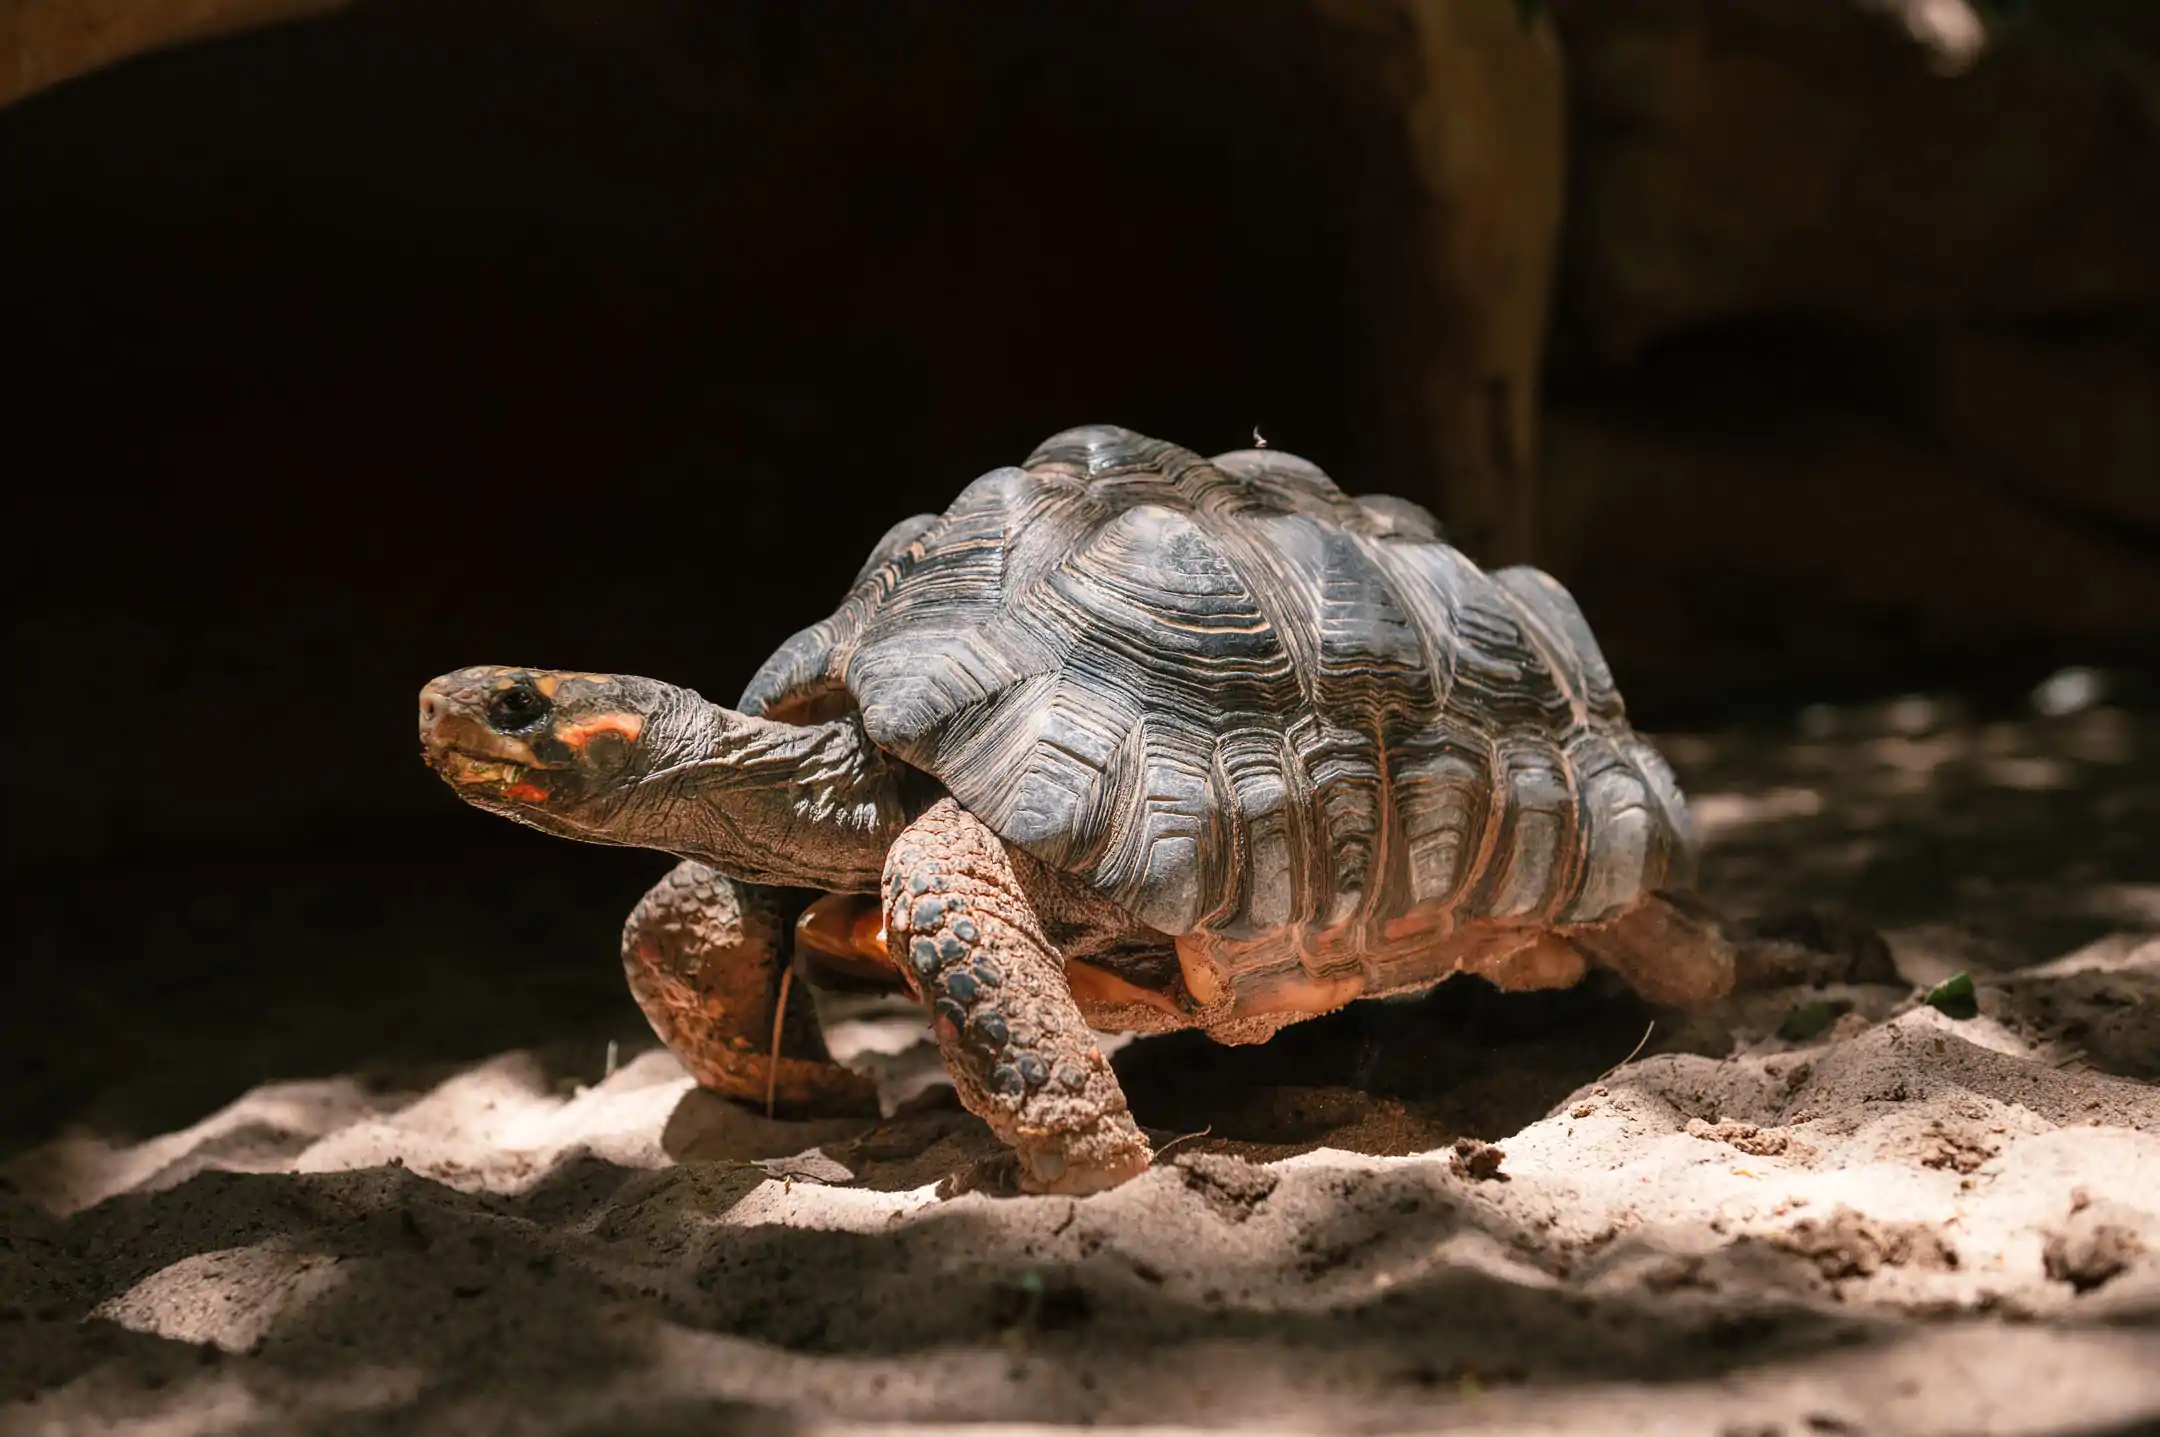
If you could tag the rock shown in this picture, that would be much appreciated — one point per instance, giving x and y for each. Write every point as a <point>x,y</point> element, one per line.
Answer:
<point>1475,91</point>
<point>1746,1137</point>
<point>1230,1185</point>
<point>2090,1251</point>
<point>2072,420</point>
<point>1960,1150</point>
<point>1725,542</point>
<point>1735,158</point>
<point>1848,1245</point>
<point>1478,1161</point>
<point>48,41</point>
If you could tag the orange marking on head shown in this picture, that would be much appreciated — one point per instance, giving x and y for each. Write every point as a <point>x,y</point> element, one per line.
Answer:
<point>525,792</point>
<point>547,684</point>
<point>577,735</point>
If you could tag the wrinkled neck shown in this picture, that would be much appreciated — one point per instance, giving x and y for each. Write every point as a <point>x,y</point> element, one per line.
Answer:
<point>797,805</point>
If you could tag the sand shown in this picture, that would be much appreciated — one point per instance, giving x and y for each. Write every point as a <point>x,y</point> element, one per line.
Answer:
<point>1464,1213</point>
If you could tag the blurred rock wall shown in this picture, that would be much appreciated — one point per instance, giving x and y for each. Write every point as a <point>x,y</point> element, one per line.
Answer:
<point>1815,348</point>
<point>1858,349</point>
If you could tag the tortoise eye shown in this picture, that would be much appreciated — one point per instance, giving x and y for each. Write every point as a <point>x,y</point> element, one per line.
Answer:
<point>516,709</point>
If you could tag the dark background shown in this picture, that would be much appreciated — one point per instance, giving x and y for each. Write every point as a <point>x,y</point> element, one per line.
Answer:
<point>432,334</point>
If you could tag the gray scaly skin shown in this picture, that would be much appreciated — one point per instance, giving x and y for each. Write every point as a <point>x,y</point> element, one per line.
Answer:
<point>1133,740</point>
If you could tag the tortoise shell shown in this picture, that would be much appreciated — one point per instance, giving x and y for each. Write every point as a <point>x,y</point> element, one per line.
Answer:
<point>1238,702</point>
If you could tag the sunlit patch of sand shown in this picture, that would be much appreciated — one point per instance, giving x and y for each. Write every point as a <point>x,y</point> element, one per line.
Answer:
<point>230,1298</point>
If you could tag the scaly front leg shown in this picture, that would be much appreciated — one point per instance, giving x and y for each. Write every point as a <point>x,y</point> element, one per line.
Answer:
<point>705,956</point>
<point>960,922</point>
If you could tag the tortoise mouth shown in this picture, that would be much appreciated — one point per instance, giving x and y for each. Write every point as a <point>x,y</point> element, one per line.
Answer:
<point>461,767</point>
<point>493,782</point>
<point>503,762</point>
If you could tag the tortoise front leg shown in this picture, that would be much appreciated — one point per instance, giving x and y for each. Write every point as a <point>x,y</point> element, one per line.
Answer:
<point>705,956</point>
<point>972,947</point>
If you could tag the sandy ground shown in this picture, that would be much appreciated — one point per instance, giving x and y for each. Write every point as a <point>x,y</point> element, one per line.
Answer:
<point>1470,1212</point>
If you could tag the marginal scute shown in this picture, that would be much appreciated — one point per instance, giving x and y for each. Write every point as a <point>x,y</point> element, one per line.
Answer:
<point>1538,833</point>
<point>1441,793</point>
<point>1617,807</point>
<point>1257,782</point>
<point>1674,829</point>
<point>1243,705</point>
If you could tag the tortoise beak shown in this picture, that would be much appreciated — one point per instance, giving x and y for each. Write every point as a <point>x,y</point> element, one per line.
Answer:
<point>458,743</point>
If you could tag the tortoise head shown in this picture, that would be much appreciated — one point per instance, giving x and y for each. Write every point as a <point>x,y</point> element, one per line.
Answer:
<point>552,749</point>
<point>615,759</point>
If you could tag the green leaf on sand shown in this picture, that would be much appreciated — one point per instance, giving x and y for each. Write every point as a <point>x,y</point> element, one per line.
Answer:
<point>1953,997</point>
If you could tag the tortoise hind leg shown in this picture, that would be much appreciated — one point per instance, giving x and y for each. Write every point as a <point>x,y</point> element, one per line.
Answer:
<point>1673,949</point>
<point>1668,948</point>
<point>705,957</point>
<point>1021,1055</point>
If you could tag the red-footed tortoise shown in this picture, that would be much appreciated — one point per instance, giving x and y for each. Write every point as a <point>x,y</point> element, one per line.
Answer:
<point>1124,740</point>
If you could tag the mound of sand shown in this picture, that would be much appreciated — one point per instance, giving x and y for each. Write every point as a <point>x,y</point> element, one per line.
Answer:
<point>1463,1212</point>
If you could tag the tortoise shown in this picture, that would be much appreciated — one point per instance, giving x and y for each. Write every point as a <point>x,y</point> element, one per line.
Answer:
<point>1124,740</point>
